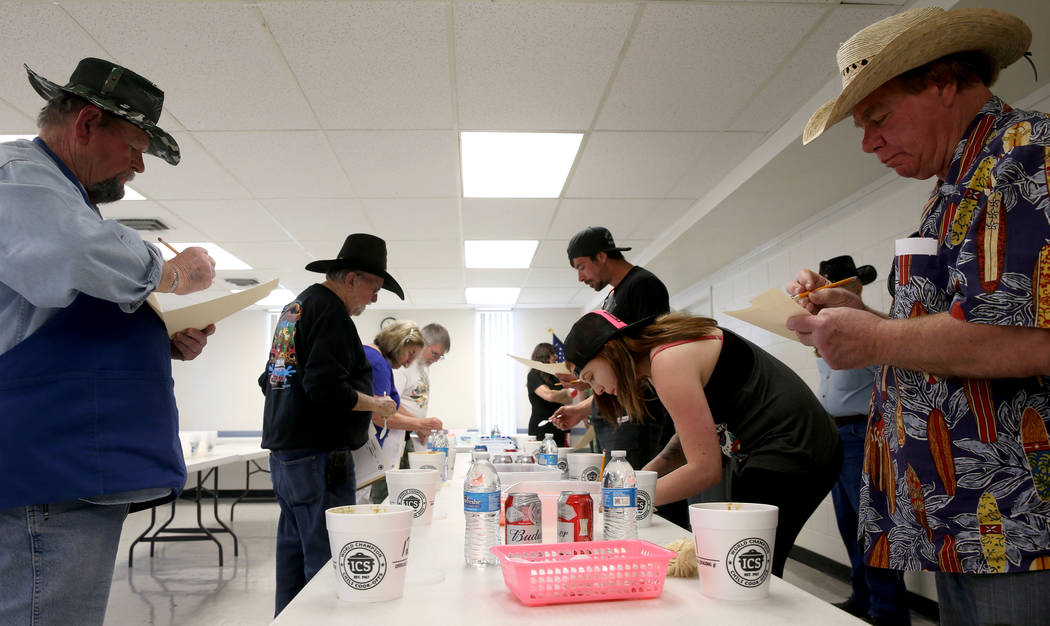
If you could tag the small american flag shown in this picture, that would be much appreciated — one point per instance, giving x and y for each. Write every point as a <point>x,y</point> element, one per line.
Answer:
<point>559,348</point>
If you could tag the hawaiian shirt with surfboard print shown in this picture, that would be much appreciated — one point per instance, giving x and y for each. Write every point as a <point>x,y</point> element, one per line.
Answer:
<point>957,471</point>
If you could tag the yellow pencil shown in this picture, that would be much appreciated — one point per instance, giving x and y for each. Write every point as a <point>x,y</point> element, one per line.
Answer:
<point>837,283</point>
<point>168,246</point>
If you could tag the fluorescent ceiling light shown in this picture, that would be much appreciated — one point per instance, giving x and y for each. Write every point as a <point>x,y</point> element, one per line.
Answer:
<point>492,295</point>
<point>224,260</point>
<point>277,298</point>
<point>516,165</point>
<point>499,254</point>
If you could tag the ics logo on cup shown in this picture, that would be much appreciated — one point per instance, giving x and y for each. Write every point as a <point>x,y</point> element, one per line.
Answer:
<point>748,562</point>
<point>563,465</point>
<point>645,504</point>
<point>362,565</point>
<point>589,473</point>
<point>415,499</point>
<point>427,466</point>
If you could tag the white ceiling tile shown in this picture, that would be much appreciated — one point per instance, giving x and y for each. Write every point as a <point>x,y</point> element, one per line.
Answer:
<point>216,61</point>
<point>523,66</point>
<point>549,296</point>
<point>507,218</point>
<point>198,175</point>
<point>43,36</point>
<point>719,154</point>
<point>323,248</point>
<point>439,253</point>
<point>551,277</point>
<point>634,165</point>
<point>623,218</point>
<point>430,278</point>
<point>432,297</point>
<point>368,64</point>
<point>229,220</point>
<point>676,74</point>
<point>417,218</point>
<point>808,69</point>
<point>280,164</point>
<point>496,277</point>
<point>392,164</point>
<point>312,219</point>
<point>551,253</point>
<point>178,228</point>
<point>585,296</point>
<point>15,122</point>
<point>270,254</point>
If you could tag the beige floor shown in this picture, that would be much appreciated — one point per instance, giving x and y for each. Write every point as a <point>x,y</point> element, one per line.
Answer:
<point>184,585</point>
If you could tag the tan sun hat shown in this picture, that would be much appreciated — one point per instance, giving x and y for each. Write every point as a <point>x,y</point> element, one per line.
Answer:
<point>905,41</point>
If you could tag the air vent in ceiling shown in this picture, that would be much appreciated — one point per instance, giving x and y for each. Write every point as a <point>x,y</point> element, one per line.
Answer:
<point>242,282</point>
<point>144,223</point>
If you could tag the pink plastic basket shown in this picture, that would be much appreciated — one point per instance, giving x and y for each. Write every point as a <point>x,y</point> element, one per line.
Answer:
<point>558,573</point>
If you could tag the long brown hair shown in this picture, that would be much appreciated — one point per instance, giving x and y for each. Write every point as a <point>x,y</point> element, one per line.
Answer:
<point>624,354</point>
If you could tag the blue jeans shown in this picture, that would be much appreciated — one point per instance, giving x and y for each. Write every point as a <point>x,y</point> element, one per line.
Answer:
<point>56,562</point>
<point>880,591</point>
<point>306,482</point>
<point>982,599</point>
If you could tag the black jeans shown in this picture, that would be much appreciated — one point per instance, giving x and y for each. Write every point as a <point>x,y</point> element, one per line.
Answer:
<point>796,495</point>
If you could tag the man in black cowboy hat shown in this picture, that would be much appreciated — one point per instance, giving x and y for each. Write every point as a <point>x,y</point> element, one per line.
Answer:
<point>89,422</point>
<point>319,404</point>
<point>957,470</point>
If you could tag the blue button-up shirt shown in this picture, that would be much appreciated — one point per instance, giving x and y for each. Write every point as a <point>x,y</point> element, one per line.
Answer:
<point>846,392</point>
<point>54,245</point>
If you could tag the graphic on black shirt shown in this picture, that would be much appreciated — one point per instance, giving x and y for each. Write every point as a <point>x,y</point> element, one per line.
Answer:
<point>281,365</point>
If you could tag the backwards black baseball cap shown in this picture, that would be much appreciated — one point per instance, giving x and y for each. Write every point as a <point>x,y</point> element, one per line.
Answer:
<point>590,241</point>
<point>591,332</point>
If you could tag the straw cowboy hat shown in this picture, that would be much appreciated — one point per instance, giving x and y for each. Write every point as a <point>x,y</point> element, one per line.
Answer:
<point>902,42</point>
<point>119,92</point>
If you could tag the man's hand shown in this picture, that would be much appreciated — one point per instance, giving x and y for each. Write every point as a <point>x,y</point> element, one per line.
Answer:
<point>385,406</point>
<point>196,271</point>
<point>808,280</point>
<point>187,345</point>
<point>846,338</point>
<point>426,425</point>
<point>569,415</point>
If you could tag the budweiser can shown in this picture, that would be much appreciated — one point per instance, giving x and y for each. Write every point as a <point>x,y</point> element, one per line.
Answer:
<point>524,513</point>
<point>575,516</point>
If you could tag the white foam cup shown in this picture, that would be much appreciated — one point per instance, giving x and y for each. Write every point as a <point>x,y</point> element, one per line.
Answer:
<point>427,459</point>
<point>369,550</point>
<point>646,497</point>
<point>585,465</point>
<point>532,448</point>
<point>414,488</point>
<point>734,548</point>
<point>563,462</point>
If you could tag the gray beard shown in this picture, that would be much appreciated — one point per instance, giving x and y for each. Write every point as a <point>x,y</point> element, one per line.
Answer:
<point>109,190</point>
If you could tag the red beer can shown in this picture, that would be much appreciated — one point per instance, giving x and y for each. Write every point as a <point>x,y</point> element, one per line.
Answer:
<point>575,516</point>
<point>524,513</point>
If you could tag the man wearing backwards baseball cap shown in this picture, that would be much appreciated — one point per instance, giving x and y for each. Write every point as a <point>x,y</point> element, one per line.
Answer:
<point>957,469</point>
<point>90,426</point>
<point>319,404</point>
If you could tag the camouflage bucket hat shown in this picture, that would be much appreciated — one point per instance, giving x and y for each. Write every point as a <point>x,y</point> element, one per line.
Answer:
<point>119,92</point>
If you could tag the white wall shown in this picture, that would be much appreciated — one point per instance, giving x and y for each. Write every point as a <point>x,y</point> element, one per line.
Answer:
<point>865,229</point>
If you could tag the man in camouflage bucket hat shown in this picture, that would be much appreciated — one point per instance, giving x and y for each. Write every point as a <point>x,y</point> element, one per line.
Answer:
<point>88,422</point>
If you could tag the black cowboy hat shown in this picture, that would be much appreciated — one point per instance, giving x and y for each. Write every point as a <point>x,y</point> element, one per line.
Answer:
<point>842,267</point>
<point>362,252</point>
<point>119,92</point>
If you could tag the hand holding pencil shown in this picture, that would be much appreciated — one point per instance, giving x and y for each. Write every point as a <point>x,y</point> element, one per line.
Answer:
<point>814,292</point>
<point>188,271</point>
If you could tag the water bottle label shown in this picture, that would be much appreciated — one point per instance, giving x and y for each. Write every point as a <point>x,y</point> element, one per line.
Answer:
<point>484,502</point>
<point>442,451</point>
<point>619,498</point>
<point>547,459</point>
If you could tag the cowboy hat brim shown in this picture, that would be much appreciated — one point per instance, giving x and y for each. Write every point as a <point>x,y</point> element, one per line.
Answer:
<point>161,144</point>
<point>1001,35</point>
<point>331,265</point>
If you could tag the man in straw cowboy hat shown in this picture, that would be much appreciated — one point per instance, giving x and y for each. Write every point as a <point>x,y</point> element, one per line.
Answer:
<point>87,405</point>
<point>957,468</point>
<point>319,404</point>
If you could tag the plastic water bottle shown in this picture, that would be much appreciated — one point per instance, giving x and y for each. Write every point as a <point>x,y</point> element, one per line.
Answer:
<point>481,503</point>
<point>441,445</point>
<point>619,491</point>
<point>548,454</point>
<point>495,432</point>
<point>430,440</point>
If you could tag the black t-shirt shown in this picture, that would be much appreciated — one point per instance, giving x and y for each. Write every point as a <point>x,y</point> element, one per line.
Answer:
<point>639,295</point>
<point>542,409</point>
<point>316,368</point>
